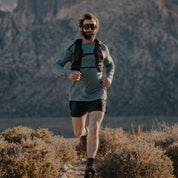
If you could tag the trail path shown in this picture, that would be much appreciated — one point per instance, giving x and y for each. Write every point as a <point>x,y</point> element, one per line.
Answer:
<point>74,170</point>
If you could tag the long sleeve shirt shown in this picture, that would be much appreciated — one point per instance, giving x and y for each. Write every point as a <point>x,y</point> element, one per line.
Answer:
<point>89,87</point>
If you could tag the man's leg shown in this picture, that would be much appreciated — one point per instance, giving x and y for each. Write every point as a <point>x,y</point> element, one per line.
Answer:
<point>79,125</point>
<point>95,120</point>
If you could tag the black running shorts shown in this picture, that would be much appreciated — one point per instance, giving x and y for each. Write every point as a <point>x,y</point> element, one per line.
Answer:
<point>79,108</point>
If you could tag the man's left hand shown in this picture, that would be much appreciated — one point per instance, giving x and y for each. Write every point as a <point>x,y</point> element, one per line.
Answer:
<point>106,82</point>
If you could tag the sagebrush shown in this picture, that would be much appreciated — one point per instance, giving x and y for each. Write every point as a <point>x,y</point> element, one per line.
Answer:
<point>38,153</point>
<point>136,159</point>
<point>28,153</point>
<point>147,154</point>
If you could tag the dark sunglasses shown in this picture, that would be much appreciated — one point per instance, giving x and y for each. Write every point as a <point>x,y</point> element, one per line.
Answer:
<point>87,26</point>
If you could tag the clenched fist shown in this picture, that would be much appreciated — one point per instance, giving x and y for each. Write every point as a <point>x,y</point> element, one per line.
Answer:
<point>106,82</point>
<point>75,76</point>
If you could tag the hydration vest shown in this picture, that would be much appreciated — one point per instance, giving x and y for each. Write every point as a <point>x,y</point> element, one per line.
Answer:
<point>78,54</point>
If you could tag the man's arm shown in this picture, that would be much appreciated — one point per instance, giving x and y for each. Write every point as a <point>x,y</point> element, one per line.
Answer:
<point>110,68</point>
<point>58,66</point>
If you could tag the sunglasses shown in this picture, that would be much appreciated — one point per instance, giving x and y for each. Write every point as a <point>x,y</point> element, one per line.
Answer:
<point>87,26</point>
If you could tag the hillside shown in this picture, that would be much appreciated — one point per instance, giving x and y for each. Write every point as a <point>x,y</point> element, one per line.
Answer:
<point>8,5</point>
<point>141,36</point>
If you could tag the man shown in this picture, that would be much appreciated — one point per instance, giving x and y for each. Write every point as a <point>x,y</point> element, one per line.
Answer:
<point>88,93</point>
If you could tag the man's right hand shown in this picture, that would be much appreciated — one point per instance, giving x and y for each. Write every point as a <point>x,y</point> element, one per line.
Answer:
<point>75,76</point>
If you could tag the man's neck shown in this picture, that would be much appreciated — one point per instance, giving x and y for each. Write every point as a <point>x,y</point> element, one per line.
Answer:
<point>86,41</point>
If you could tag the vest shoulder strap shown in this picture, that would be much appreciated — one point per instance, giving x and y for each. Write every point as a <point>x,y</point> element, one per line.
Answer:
<point>78,53</point>
<point>99,59</point>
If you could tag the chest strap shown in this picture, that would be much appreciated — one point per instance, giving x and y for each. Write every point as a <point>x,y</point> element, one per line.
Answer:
<point>78,53</point>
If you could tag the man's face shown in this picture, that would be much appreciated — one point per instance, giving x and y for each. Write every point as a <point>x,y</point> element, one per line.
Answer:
<point>89,29</point>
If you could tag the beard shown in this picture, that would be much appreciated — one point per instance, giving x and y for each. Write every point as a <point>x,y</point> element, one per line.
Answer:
<point>88,36</point>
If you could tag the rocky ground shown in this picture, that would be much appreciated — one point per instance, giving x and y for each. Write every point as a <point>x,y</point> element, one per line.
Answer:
<point>74,170</point>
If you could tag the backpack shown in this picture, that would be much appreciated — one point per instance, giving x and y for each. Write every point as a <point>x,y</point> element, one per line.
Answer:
<point>78,53</point>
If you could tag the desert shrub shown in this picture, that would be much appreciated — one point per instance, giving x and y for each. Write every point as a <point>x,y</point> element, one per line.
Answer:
<point>28,153</point>
<point>43,134</point>
<point>111,139</point>
<point>172,152</point>
<point>17,134</point>
<point>64,150</point>
<point>163,137</point>
<point>136,159</point>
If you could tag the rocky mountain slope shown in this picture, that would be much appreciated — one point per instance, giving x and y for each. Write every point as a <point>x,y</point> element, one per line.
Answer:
<point>141,36</point>
<point>8,5</point>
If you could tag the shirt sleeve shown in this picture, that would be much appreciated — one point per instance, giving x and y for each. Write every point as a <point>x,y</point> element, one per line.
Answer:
<point>58,66</point>
<point>108,63</point>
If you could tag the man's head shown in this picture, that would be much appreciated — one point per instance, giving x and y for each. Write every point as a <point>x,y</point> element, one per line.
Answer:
<point>89,26</point>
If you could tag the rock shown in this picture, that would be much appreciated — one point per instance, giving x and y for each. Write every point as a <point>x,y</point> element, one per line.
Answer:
<point>63,176</point>
<point>70,166</point>
<point>64,168</point>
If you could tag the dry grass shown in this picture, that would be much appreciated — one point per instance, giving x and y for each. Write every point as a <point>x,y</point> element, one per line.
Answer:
<point>172,152</point>
<point>136,159</point>
<point>28,153</point>
<point>139,154</point>
<point>163,137</point>
<point>111,140</point>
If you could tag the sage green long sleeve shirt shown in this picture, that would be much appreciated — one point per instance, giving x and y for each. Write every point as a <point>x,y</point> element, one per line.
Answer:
<point>89,87</point>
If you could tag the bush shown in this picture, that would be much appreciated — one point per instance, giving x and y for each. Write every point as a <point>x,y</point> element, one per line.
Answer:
<point>163,137</point>
<point>28,153</point>
<point>111,140</point>
<point>136,159</point>
<point>172,152</point>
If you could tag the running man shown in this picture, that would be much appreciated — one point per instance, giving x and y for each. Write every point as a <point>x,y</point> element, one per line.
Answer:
<point>92,70</point>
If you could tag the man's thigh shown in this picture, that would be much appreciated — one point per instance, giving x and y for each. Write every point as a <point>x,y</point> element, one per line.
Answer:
<point>78,124</point>
<point>95,118</point>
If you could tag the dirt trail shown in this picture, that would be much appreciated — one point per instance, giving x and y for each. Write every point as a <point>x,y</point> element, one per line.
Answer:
<point>77,170</point>
<point>74,170</point>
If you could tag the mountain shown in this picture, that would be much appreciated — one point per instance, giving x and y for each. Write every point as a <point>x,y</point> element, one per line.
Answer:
<point>8,5</point>
<point>142,39</point>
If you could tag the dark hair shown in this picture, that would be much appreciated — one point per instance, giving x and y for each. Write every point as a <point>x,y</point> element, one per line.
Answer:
<point>88,16</point>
